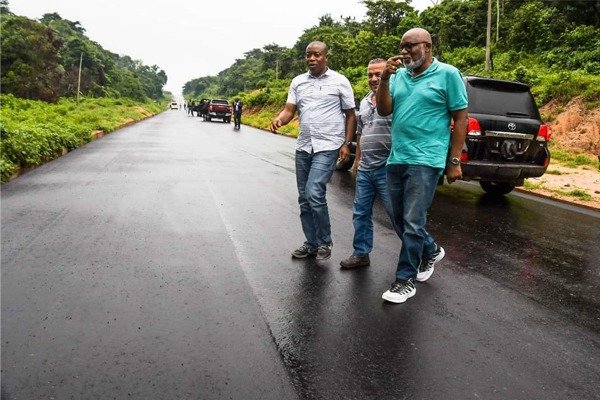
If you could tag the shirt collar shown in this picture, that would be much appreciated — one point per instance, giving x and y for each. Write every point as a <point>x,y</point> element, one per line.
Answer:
<point>320,76</point>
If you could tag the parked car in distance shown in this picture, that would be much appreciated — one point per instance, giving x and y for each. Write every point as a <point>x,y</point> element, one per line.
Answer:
<point>506,138</point>
<point>174,105</point>
<point>219,108</point>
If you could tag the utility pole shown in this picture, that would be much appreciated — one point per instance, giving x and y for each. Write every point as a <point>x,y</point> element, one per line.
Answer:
<point>276,69</point>
<point>488,38</point>
<point>79,78</point>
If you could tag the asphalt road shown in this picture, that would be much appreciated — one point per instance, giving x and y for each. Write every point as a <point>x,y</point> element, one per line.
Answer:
<point>155,263</point>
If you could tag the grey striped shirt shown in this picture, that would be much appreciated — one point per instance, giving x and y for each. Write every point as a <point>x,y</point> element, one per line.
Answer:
<point>375,135</point>
<point>320,102</point>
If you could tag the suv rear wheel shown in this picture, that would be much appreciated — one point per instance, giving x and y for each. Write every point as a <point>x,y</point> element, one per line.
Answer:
<point>497,188</point>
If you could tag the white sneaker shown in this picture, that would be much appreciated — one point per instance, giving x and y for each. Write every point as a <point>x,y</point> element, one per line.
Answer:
<point>400,291</point>
<point>426,266</point>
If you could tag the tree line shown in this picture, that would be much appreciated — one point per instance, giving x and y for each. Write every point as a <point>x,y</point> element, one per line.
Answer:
<point>545,43</point>
<point>41,61</point>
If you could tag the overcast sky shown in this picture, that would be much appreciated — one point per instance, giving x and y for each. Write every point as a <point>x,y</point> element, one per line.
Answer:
<point>190,39</point>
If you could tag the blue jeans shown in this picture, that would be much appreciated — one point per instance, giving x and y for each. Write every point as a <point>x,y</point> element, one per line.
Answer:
<point>411,189</point>
<point>368,185</point>
<point>313,172</point>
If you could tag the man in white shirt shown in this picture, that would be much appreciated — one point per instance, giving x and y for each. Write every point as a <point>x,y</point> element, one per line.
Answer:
<point>325,103</point>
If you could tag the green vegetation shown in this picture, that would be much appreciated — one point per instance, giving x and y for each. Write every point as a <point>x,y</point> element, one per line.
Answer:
<point>34,132</point>
<point>573,160</point>
<point>263,117</point>
<point>40,61</point>
<point>529,185</point>
<point>552,45</point>
<point>577,193</point>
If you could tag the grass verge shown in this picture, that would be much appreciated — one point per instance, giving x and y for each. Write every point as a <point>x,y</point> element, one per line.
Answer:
<point>34,132</point>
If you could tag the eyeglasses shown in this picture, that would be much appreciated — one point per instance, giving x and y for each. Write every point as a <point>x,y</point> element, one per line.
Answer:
<point>408,45</point>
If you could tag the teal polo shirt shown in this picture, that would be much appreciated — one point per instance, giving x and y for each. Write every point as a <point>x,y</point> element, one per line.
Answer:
<point>421,117</point>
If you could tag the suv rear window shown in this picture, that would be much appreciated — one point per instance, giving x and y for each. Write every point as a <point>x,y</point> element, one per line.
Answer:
<point>510,99</point>
<point>220,102</point>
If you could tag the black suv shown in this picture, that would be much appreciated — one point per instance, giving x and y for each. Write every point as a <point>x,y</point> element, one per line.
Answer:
<point>506,138</point>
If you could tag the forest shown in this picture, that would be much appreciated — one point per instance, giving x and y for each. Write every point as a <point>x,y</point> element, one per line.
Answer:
<point>41,61</point>
<point>552,45</point>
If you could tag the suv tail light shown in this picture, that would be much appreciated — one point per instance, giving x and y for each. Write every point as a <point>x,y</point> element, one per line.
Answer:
<point>544,133</point>
<point>464,157</point>
<point>473,128</point>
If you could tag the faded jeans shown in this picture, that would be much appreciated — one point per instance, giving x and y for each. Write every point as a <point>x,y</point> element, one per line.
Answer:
<point>411,189</point>
<point>369,184</point>
<point>313,172</point>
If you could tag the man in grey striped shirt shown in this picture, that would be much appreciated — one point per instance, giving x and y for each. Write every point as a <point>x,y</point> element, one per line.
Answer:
<point>372,150</point>
<point>325,103</point>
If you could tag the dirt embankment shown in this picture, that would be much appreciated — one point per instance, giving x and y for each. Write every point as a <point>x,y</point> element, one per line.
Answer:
<point>577,129</point>
<point>574,127</point>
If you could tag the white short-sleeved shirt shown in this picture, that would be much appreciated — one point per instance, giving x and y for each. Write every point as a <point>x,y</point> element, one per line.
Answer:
<point>320,102</point>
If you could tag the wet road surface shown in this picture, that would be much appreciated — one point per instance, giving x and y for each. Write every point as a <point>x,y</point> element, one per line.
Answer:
<point>155,263</point>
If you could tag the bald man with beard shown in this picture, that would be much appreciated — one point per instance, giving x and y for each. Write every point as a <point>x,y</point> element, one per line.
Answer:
<point>423,95</point>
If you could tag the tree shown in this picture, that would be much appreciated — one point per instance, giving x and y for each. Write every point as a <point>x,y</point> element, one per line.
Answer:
<point>384,16</point>
<point>30,62</point>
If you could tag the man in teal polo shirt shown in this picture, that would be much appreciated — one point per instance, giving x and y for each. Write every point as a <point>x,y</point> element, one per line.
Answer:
<point>424,97</point>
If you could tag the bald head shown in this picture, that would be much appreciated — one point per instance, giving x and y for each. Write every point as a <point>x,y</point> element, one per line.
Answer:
<point>415,35</point>
<point>316,44</point>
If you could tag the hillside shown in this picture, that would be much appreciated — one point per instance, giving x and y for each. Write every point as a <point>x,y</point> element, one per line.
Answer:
<point>577,130</point>
<point>574,127</point>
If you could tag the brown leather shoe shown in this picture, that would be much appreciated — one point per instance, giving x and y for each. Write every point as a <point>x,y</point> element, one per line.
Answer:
<point>355,261</point>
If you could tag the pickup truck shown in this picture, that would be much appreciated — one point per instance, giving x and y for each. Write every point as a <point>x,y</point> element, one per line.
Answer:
<point>219,108</point>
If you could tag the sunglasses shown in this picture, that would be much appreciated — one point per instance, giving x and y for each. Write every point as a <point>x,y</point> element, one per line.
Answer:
<point>408,45</point>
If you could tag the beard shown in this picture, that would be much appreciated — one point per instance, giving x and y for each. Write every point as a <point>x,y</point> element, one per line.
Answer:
<point>414,64</point>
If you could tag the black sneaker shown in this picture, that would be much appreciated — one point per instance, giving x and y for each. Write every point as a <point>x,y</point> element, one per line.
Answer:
<point>400,291</point>
<point>324,252</point>
<point>304,251</point>
<point>426,266</point>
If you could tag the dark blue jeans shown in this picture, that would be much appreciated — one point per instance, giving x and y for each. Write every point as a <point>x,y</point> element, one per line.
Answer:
<point>313,172</point>
<point>369,184</point>
<point>411,189</point>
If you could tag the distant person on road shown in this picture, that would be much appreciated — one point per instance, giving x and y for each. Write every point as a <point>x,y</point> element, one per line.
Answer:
<point>424,97</point>
<point>373,144</point>
<point>237,113</point>
<point>325,103</point>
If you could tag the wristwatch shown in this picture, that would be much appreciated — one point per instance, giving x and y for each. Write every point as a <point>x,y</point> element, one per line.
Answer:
<point>455,161</point>
<point>348,143</point>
